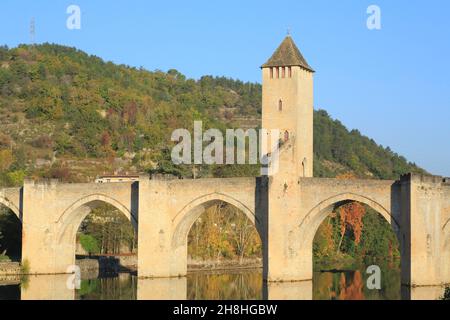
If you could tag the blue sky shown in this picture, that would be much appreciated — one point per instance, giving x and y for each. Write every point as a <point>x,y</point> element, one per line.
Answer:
<point>391,84</point>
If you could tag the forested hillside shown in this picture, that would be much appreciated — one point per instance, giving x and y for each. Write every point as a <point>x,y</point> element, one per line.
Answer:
<point>68,115</point>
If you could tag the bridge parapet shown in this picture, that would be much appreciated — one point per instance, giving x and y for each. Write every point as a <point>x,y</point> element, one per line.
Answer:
<point>377,193</point>
<point>424,178</point>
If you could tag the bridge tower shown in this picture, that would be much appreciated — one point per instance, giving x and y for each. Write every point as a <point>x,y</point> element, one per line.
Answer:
<point>287,104</point>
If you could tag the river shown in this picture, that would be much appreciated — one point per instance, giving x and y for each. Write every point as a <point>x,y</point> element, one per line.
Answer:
<point>239,285</point>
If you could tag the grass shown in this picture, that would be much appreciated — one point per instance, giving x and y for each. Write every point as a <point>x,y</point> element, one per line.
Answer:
<point>4,258</point>
<point>25,267</point>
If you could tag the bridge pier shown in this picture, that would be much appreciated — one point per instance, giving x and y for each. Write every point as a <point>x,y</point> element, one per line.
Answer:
<point>424,258</point>
<point>156,257</point>
<point>39,243</point>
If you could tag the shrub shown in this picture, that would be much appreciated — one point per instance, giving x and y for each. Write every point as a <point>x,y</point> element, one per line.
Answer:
<point>4,258</point>
<point>89,243</point>
<point>43,142</point>
<point>25,268</point>
<point>59,172</point>
<point>5,141</point>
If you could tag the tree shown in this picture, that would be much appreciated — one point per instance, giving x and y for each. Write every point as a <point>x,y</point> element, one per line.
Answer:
<point>351,215</point>
<point>243,233</point>
<point>324,244</point>
<point>129,113</point>
<point>5,141</point>
<point>89,244</point>
<point>111,229</point>
<point>6,159</point>
<point>223,232</point>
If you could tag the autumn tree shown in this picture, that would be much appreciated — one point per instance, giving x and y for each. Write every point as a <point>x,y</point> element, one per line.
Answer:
<point>111,230</point>
<point>6,159</point>
<point>324,244</point>
<point>223,232</point>
<point>351,215</point>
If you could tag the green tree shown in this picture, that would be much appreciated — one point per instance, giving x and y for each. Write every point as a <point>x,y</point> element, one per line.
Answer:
<point>89,244</point>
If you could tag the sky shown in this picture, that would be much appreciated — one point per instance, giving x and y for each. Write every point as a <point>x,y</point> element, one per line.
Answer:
<point>392,84</point>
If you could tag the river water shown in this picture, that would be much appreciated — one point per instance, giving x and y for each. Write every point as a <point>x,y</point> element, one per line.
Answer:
<point>242,285</point>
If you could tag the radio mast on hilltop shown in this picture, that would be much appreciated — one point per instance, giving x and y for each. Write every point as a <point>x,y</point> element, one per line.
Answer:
<point>32,31</point>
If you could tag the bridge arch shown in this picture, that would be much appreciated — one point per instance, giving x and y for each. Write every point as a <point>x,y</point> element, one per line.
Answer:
<point>69,222</point>
<point>8,204</point>
<point>186,217</point>
<point>11,230</point>
<point>74,215</point>
<point>310,224</point>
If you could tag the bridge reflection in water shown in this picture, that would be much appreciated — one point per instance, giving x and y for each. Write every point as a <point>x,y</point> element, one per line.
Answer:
<point>246,285</point>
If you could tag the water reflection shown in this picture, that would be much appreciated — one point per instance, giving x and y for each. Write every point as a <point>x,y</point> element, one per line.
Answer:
<point>162,289</point>
<point>289,290</point>
<point>51,287</point>
<point>247,285</point>
<point>121,287</point>
<point>351,285</point>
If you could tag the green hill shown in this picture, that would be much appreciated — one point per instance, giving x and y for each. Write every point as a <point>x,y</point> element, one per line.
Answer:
<point>69,115</point>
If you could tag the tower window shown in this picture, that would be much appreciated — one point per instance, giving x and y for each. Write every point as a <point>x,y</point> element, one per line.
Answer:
<point>271,73</point>
<point>290,72</point>
<point>286,135</point>
<point>283,72</point>
<point>280,105</point>
<point>278,72</point>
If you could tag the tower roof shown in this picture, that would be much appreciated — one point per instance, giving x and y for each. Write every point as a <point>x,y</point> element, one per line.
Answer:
<point>287,55</point>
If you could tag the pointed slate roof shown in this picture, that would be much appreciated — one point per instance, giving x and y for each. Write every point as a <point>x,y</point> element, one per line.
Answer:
<point>287,55</point>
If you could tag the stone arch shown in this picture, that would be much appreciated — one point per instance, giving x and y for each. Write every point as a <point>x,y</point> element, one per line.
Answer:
<point>14,235</point>
<point>8,204</point>
<point>67,225</point>
<point>186,217</point>
<point>73,216</point>
<point>310,224</point>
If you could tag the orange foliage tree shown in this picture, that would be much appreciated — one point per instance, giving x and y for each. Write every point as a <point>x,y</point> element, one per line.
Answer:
<point>351,215</point>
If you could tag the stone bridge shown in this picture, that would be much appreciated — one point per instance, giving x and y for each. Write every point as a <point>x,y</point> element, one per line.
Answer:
<point>286,215</point>
<point>286,208</point>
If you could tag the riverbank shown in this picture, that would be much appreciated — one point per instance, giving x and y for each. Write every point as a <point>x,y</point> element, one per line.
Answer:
<point>10,273</point>
<point>10,269</point>
<point>223,265</point>
<point>107,264</point>
<point>128,263</point>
